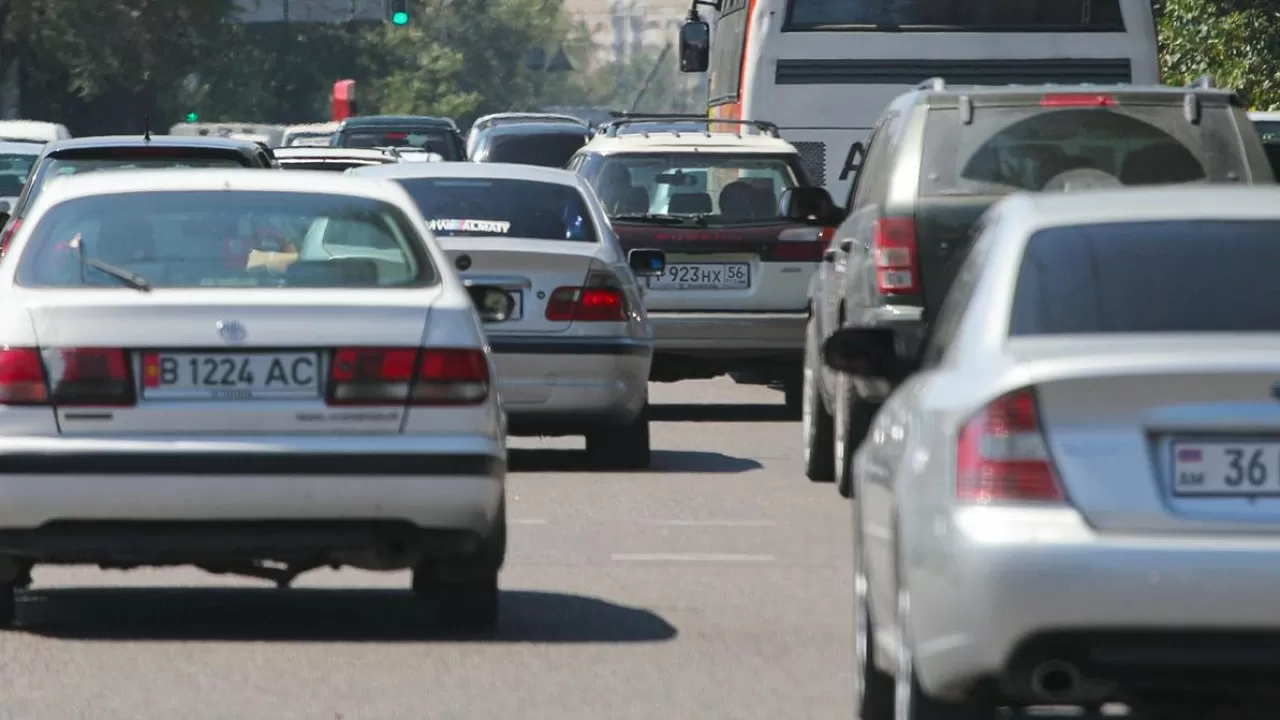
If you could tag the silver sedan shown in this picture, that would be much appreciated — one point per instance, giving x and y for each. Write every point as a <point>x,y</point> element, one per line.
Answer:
<point>1073,496</point>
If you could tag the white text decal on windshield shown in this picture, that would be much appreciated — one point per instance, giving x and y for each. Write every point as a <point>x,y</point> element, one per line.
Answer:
<point>484,226</point>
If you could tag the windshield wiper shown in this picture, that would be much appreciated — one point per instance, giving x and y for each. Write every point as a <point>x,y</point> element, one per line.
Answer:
<point>135,281</point>
<point>662,219</point>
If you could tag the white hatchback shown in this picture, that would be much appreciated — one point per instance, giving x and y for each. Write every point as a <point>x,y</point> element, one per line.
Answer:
<point>178,386</point>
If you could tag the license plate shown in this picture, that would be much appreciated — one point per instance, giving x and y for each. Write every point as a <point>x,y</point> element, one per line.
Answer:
<point>703,276</point>
<point>1226,468</point>
<point>229,376</point>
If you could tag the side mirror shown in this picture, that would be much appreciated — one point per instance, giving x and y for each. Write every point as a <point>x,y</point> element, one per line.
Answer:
<point>695,46</point>
<point>869,356</point>
<point>494,304</point>
<point>647,263</point>
<point>808,205</point>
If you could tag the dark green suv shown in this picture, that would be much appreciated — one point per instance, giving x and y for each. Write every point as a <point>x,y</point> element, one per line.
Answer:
<point>940,155</point>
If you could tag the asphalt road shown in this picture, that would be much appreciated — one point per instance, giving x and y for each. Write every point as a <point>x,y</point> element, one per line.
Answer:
<point>715,586</point>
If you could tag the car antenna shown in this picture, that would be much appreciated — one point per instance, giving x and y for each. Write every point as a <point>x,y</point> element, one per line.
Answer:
<point>146,127</point>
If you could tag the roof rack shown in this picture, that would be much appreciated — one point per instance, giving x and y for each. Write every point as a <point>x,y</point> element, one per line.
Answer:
<point>933,83</point>
<point>494,119</point>
<point>1204,82</point>
<point>611,128</point>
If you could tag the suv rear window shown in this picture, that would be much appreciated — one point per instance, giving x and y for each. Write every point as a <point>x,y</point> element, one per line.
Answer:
<point>432,140</point>
<point>526,209</point>
<point>1149,277</point>
<point>544,149</point>
<point>58,166</point>
<point>1268,129</point>
<point>212,239</point>
<point>1007,149</point>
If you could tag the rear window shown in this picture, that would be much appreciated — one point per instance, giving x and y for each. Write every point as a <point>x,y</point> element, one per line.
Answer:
<point>333,165</point>
<point>546,150</point>
<point>436,141</point>
<point>1268,129</point>
<point>1149,277</point>
<point>526,209</point>
<point>225,240</point>
<point>1046,149</point>
<point>1273,155</point>
<point>950,14</point>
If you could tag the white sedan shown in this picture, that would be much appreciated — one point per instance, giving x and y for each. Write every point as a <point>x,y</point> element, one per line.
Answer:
<point>573,356</point>
<point>172,393</point>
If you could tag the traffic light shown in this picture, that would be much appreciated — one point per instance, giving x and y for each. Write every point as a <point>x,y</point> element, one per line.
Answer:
<point>399,12</point>
<point>193,117</point>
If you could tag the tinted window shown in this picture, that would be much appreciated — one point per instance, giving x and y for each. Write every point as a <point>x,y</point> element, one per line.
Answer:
<point>721,189</point>
<point>547,149</point>
<point>226,240</point>
<point>334,165</point>
<point>54,168</point>
<point>727,43</point>
<point>1273,154</point>
<point>515,208</point>
<point>1149,277</point>
<point>1268,129</point>
<point>958,14</point>
<point>1030,148</point>
<point>436,141</point>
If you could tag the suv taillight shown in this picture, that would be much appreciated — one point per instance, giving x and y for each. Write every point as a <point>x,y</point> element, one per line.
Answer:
<point>893,246</point>
<point>67,377</point>
<point>1002,455</point>
<point>600,299</point>
<point>413,376</point>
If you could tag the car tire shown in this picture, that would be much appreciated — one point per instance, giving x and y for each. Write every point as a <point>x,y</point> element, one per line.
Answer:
<point>857,422</point>
<point>8,605</point>
<point>911,701</point>
<point>622,448</point>
<point>816,423</point>
<point>875,696</point>
<point>793,395</point>
<point>466,596</point>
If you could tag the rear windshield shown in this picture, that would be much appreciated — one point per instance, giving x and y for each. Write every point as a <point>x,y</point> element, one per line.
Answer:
<point>225,240</point>
<point>1149,277</point>
<point>1268,129</point>
<point>1046,149</point>
<point>547,149</point>
<point>57,167</point>
<point>714,189</point>
<point>527,209</point>
<point>334,165</point>
<point>433,140</point>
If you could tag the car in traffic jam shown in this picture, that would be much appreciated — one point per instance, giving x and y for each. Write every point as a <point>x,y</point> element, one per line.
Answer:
<point>1033,346</point>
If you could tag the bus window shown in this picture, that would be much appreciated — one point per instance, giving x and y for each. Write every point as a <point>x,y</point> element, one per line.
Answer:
<point>966,14</point>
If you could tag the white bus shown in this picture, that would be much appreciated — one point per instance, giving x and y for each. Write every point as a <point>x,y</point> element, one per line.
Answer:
<point>823,70</point>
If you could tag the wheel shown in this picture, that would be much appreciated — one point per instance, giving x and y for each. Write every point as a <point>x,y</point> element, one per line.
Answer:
<point>817,424</point>
<point>8,605</point>
<point>623,448</point>
<point>793,395</point>
<point>911,701</point>
<point>470,606</point>
<point>857,422</point>
<point>874,698</point>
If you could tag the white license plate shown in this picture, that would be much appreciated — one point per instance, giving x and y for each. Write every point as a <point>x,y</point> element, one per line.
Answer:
<point>1226,468</point>
<point>229,376</point>
<point>703,276</point>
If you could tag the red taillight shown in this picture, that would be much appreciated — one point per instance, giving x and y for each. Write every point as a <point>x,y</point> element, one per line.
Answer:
<point>600,299</point>
<point>396,376</point>
<point>801,250</point>
<point>893,245</point>
<point>89,377</point>
<point>7,235</point>
<point>395,136</point>
<point>1077,100</point>
<point>22,379</point>
<point>1002,456</point>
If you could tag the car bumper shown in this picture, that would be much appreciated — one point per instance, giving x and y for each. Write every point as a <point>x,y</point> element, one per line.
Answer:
<point>1008,580</point>
<point>438,483</point>
<point>697,333</point>
<point>585,380</point>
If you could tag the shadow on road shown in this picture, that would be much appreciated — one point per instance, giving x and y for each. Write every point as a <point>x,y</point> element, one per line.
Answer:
<point>662,461</point>
<point>721,413</point>
<point>312,615</point>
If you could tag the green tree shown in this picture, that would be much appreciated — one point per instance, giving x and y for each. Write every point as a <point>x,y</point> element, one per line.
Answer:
<point>1235,41</point>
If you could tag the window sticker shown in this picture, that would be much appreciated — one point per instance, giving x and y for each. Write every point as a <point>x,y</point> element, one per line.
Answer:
<point>499,227</point>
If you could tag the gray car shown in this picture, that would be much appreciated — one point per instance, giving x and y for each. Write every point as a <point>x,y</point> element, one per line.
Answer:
<point>1071,496</point>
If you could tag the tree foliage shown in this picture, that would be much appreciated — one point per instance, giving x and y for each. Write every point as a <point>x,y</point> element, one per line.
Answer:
<point>1235,41</point>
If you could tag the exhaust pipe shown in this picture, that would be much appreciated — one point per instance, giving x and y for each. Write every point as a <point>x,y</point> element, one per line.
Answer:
<point>1055,680</point>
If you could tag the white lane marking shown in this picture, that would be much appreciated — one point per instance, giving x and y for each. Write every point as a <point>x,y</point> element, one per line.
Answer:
<point>714,523</point>
<point>528,521</point>
<point>690,557</point>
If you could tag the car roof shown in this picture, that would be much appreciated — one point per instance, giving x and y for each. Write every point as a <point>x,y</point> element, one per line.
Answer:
<point>335,153</point>
<point>692,140</point>
<point>505,171</point>
<point>196,180</point>
<point>519,118</point>
<point>1152,203</point>
<point>937,89</point>
<point>1265,115</point>
<point>21,148</point>
<point>115,141</point>
<point>393,120</point>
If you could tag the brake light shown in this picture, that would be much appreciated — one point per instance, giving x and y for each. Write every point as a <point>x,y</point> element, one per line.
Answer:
<point>396,376</point>
<point>22,379</point>
<point>791,248</point>
<point>893,245</point>
<point>1002,455</point>
<point>89,377</point>
<point>1077,100</point>
<point>7,235</point>
<point>600,299</point>
<point>395,136</point>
